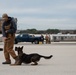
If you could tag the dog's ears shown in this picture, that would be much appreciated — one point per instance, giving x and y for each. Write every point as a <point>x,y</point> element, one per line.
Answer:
<point>15,48</point>
<point>22,47</point>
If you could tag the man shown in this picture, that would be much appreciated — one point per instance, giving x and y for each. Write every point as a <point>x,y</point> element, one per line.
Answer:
<point>46,38</point>
<point>8,30</point>
<point>42,39</point>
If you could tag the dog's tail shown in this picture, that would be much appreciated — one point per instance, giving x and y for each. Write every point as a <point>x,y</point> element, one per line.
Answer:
<point>47,57</point>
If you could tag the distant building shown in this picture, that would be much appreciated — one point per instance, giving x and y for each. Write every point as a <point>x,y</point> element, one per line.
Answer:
<point>67,31</point>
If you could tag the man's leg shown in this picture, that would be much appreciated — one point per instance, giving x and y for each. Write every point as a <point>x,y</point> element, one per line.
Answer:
<point>10,45</point>
<point>6,54</point>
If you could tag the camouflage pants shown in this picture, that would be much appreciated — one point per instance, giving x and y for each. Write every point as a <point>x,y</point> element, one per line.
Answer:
<point>8,48</point>
<point>47,41</point>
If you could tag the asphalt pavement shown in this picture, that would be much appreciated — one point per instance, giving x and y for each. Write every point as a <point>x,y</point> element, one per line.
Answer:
<point>63,61</point>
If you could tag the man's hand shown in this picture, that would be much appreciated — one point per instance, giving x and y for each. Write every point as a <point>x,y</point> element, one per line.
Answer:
<point>4,38</point>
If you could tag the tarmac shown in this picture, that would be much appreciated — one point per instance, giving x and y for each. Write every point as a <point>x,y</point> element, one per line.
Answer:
<point>63,61</point>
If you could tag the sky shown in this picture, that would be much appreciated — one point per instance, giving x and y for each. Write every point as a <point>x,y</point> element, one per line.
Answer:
<point>41,14</point>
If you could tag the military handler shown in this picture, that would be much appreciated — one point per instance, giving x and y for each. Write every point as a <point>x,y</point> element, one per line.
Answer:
<point>8,31</point>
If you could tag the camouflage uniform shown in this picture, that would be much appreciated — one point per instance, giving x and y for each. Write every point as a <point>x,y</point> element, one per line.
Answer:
<point>47,39</point>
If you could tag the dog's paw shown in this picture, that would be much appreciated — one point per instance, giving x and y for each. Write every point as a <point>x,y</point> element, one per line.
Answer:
<point>34,64</point>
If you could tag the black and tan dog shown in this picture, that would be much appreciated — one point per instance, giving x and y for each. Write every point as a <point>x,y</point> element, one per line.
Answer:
<point>28,58</point>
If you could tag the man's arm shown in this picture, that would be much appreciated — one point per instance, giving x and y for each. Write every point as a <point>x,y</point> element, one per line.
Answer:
<point>3,31</point>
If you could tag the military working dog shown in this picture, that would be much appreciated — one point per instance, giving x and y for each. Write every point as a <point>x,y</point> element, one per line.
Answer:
<point>28,58</point>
